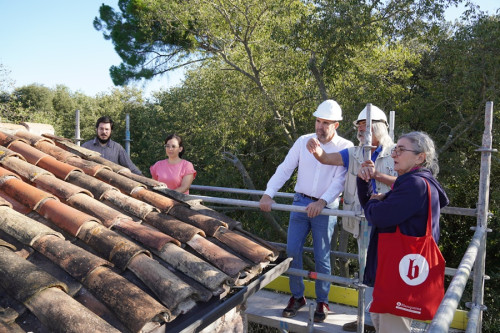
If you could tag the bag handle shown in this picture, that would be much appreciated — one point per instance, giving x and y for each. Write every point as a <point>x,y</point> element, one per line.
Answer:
<point>429,214</point>
<point>428,229</point>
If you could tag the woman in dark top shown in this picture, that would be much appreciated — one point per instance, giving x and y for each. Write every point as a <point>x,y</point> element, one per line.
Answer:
<point>406,206</point>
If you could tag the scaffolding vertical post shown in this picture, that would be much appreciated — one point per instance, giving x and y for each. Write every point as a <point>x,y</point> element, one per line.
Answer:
<point>392,122</point>
<point>367,147</point>
<point>77,127</point>
<point>482,216</point>
<point>127,133</point>
<point>364,237</point>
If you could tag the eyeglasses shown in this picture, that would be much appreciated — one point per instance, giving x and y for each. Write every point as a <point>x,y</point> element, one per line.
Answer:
<point>363,123</point>
<point>399,150</point>
<point>170,147</point>
<point>360,123</point>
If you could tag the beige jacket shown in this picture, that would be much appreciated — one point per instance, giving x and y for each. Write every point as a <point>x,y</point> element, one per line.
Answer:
<point>384,164</point>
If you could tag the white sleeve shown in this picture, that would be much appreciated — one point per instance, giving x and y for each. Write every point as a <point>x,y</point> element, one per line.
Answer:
<point>337,185</point>
<point>284,170</point>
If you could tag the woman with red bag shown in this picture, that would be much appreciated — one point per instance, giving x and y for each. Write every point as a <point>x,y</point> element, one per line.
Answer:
<point>404,264</point>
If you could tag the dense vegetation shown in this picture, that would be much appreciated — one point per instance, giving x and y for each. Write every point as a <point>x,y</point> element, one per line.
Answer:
<point>258,69</point>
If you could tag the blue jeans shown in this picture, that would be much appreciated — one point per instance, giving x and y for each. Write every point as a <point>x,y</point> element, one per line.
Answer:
<point>321,228</point>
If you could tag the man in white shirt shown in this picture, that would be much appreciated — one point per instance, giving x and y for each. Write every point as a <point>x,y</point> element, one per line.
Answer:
<point>318,185</point>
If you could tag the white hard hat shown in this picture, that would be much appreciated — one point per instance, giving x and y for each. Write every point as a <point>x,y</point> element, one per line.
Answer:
<point>376,113</point>
<point>329,110</point>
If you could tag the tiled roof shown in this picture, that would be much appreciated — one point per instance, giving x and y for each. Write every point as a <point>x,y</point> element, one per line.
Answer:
<point>86,245</point>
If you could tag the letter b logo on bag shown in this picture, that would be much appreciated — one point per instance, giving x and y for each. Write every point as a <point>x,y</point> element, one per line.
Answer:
<point>413,269</point>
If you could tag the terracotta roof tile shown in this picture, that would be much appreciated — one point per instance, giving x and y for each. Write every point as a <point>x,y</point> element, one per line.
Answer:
<point>139,309</point>
<point>31,154</point>
<point>59,169</point>
<point>161,202</point>
<point>89,167</point>
<point>106,214</point>
<point>63,190</point>
<point>32,138</point>
<point>65,217</point>
<point>23,229</point>
<point>93,185</point>
<point>16,205</point>
<point>73,259</point>
<point>6,139</point>
<point>166,264</point>
<point>128,204</point>
<point>24,193</point>
<point>24,169</point>
<point>52,150</point>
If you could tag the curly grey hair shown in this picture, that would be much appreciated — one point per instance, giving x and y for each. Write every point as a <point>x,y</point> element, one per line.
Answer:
<point>422,143</point>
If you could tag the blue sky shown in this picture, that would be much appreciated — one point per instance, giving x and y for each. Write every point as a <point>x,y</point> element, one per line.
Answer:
<point>52,42</point>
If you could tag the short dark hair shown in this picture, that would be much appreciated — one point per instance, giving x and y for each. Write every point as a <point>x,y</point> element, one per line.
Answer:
<point>179,139</point>
<point>106,120</point>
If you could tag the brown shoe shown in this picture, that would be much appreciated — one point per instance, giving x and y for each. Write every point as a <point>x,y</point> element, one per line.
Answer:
<point>294,304</point>
<point>321,312</point>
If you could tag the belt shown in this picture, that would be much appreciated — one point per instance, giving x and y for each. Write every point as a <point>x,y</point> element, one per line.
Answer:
<point>308,196</point>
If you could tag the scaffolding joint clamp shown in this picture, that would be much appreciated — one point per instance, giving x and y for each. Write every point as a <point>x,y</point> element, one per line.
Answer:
<point>471,305</point>
<point>486,229</point>
<point>487,150</point>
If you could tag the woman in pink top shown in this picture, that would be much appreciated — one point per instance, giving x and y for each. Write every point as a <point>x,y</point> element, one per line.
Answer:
<point>176,173</point>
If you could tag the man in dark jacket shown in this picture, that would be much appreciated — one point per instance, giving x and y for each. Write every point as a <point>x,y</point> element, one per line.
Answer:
<point>108,148</point>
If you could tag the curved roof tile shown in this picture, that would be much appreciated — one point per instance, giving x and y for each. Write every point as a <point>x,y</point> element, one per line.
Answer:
<point>24,169</point>
<point>65,217</point>
<point>31,154</point>
<point>63,190</point>
<point>179,277</point>
<point>59,169</point>
<point>24,193</point>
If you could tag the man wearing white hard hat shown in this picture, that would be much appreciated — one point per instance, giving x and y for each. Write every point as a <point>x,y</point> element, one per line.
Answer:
<point>317,186</point>
<point>379,171</point>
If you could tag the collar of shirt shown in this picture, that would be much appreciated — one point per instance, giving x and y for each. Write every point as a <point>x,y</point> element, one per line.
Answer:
<point>315,179</point>
<point>374,158</point>
<point>332,145</point>
<point>97,142</point>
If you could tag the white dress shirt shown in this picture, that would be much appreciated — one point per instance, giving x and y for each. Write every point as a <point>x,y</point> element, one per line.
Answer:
<point>313,178</point>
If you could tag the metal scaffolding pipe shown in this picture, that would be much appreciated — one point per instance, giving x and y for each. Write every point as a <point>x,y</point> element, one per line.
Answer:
<point>444,315</point>
<point>482,207</point>
<point>77,127</point>
<point>445,210</point>
<point>392,122</point>
<point>323,277</point>
<point>238,190</point>
<point>473,321</point>
<point>352,256</point>
<point>275,206</point>
<point>127,134</point>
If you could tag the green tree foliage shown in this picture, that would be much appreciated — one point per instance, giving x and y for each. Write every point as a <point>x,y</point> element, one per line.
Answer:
<point>252,39</point>
<point>451,87</point>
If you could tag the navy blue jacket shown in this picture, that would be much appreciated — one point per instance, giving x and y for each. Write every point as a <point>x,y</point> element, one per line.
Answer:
<point>405,205</point>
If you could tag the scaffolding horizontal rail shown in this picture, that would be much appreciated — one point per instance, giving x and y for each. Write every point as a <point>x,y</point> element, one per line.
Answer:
<point>238,190</point>
<point>275,206</point>
<point>444,210</point>
<point>444,316</point>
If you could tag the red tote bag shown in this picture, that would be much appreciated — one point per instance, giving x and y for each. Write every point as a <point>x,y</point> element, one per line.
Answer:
<point>410,274</point>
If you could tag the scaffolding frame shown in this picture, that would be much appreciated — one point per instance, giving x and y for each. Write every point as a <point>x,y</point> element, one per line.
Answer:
<point>474,257</point>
